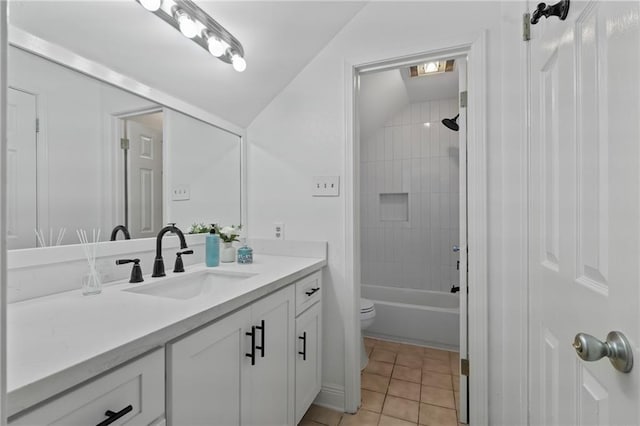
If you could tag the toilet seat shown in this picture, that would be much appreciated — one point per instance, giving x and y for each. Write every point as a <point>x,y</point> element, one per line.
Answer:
<point>366,305</point>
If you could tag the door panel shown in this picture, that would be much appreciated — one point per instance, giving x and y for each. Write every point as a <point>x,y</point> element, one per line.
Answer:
<point>145,180</point>
<point>584,223</point>
<point>21,171</point>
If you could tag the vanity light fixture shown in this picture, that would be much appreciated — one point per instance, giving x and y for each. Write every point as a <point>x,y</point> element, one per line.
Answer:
<point>194,23</point>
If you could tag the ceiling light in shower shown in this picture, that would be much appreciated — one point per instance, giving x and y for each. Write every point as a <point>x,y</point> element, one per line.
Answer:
<point>151,5</point>
<point>431,68</point>
<point>196,24</point>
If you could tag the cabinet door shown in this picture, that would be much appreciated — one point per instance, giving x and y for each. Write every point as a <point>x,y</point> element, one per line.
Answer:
<point>308,358</point>
<point>272,377</point>
<point>207,375</point>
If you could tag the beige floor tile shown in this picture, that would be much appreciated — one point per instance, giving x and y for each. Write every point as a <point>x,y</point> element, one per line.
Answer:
<point>410,360</point>
<point>411,349</point>
<point>437,380</point>
<point>407,374</point>
<point>304,422</point>
<point>436,354</point>
<point>390,346</point>
<point>392,421</point>
<point>432,415</point>
<point>369,351</point>
<point>383,355</point>
<point>361,418</point>
<point>374,382</point>
<point>436,396</point>
<point>456,396</point>
<point>369,343</point>
<point>379,368</point>
<point>322,415</point>
<point>401,408</point>
<point>454,356</point>
<point>372,401</point>
<point>437,365</point>
<point>403,389</point>
<point>456,383</point>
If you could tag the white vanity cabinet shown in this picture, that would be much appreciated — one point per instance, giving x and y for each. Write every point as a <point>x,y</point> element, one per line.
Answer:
<point>237,370</point>
<point>132,394</point>
<point>308,342</point>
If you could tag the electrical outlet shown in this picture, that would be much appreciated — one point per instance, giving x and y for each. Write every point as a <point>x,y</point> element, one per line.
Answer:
<point>278,231</point>
<point>181,193</point>
<point>326,186</point>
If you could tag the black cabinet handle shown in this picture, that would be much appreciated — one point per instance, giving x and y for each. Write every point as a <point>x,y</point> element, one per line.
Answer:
<point>261,327</point>
<point>252,355</point>
<point>113,416</point>
<point>304,346</point>
<point>312,291</point>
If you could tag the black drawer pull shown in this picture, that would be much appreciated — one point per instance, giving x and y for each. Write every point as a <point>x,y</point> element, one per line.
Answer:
<point>304,346</point>
<point>262,329</point>
<point>312,291</point>
<point>113,416</point>
<point>252,355</point>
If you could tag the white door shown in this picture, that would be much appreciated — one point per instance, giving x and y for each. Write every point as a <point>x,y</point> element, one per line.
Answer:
<point>145,180</point>
<point>207,374</point>
<point>21,170</point>
<point>463,396</point>
<point>308,354</point>
<point>584,223</point>
<point>271,400</point>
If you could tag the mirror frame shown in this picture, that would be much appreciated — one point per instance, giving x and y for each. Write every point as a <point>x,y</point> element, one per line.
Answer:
<point>62,56</point>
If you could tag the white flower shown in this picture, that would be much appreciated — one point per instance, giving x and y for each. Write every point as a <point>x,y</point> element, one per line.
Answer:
<point>228,230</point>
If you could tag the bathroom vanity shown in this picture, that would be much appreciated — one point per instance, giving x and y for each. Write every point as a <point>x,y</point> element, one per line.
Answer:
<point>236,344</point>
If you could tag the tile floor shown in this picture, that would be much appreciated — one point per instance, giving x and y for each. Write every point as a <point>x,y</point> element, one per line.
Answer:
<point>402,385</point>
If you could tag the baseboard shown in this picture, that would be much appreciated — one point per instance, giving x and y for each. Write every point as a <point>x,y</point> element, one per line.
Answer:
<point>331,396</point>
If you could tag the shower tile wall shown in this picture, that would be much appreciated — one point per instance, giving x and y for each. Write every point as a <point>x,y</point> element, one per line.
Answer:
<point>408,156</point>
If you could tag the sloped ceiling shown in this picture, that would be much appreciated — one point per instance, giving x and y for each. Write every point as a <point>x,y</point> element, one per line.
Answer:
<point>279,39</point>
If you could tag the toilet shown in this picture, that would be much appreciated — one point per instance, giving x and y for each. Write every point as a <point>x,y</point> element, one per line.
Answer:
<point>367,315</point>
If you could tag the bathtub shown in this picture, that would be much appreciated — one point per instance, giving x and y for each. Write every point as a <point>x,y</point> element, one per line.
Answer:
<point>427,318</point>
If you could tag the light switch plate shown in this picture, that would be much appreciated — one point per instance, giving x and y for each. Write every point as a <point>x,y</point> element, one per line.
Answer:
<point>181,193</point>
<point>326,186</point>
<point>278,230</point>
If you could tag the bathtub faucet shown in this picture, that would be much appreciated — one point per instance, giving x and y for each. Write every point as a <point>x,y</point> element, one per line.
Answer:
<point>455,288</point>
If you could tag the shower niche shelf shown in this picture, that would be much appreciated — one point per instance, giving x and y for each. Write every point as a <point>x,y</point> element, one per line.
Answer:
<point>394,207</point>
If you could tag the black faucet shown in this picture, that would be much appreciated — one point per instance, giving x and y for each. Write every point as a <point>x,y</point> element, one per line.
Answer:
<point>136,271</point>
<point>124,230</point>
<point>455,288</point>
<point>158,263</point>
<point>179,265</point>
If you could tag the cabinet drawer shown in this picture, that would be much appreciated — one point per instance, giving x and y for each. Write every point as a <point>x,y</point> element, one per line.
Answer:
<point>308,291</point>
<point>138,385</point>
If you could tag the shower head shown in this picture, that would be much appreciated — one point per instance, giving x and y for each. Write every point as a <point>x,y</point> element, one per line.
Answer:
<point>452,123</point>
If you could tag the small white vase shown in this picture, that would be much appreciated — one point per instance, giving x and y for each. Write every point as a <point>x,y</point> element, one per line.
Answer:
<point>227,253</point>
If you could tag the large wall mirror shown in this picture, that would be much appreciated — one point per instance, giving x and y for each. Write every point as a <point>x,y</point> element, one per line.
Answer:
<point>86,154</point>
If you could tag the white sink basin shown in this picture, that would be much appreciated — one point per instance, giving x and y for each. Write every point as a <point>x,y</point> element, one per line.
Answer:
<point>191,285</point>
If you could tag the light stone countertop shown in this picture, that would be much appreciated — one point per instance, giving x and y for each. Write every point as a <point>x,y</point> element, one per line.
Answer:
<point>59,341</point>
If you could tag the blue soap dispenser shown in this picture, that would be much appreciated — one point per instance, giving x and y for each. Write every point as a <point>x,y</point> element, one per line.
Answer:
<point>212,248</point>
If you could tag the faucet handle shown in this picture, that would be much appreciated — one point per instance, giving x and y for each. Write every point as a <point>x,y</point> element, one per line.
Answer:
<point>179,266</point>
<point>136,271</point>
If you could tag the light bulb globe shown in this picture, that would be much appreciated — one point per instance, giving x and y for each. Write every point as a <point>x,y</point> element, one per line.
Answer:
<point>151,5</point>
<point>188,26</point>
<point>238,62</point>
<point>217,47</point>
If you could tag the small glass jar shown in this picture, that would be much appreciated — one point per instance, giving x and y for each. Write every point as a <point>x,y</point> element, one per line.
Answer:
<point>91,283</point>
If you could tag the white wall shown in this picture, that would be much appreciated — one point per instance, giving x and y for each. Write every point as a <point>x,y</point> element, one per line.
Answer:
<point>407,156</point>
<point>207,159</point>
<point>381,95</point>
<point>302,133</point>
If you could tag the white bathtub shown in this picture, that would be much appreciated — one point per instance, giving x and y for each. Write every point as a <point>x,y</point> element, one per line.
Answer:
<point>428,318</point>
